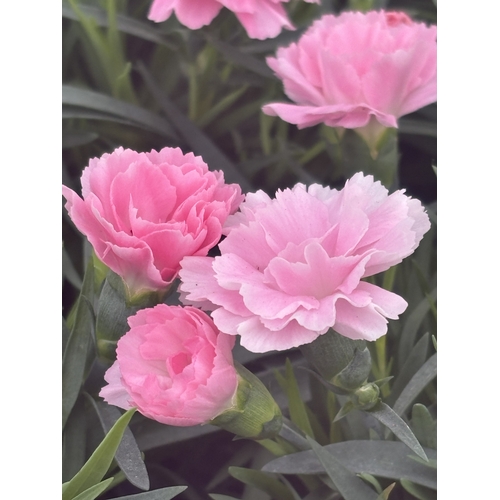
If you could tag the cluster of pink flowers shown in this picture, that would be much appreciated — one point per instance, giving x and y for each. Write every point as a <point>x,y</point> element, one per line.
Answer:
<point>290,267</point>
<point>261,18</point>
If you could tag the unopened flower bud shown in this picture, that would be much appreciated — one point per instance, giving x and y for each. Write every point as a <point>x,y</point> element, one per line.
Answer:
<point>366,397</point>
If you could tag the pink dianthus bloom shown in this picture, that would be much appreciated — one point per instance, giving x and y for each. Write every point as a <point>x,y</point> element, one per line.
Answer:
<point>174,366</point>
<point>261,18</point>
<point>357,70</point>
<point>292,267</point>
<point>143,212</point>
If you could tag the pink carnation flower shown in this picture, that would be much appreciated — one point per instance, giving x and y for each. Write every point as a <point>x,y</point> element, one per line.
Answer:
<point>143,212</point>
<point>174,366</point>
<point>354,69</point>
<point>260,18</point>
<point>292,267</point>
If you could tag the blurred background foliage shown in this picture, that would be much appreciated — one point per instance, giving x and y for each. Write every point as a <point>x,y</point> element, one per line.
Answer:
<point>130,82</point>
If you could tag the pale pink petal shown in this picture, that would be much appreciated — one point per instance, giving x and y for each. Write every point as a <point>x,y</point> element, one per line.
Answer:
<point>340,115</point>
<point>174,366</point>
<point>196,15</point>
<point>351,69</point>
<point>266,21</point>
<point>317,246</point>
<point>144,212</point>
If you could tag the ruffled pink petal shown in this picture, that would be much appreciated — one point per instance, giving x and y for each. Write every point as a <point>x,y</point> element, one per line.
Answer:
<point>266,21</point>
<point>161,10</point>
<point>368,322</point>
<point>347,116</point>
<point>190,15</point>
<point>115,393</point>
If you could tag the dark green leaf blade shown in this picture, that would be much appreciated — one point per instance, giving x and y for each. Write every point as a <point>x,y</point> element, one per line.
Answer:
<point>75,96</point>
<point>128,456</point>
<point>94,491</point>
<point>77,346</point>
<point>417,384</point>
<point>262,481</point>
<point>140,29</point>
<point>348,484</point>
<point>387,459</point>
<point>387,416</point>
<point>98,464</point>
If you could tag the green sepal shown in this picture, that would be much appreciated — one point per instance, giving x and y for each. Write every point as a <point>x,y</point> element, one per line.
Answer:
<point>346,408</point>
<point>329,386</point>
<point>254,413</point>
<point>331,352</point>
<point>356,372</point>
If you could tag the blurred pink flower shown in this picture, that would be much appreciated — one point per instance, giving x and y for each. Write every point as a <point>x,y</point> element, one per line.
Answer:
<point>260,18</point>
<point>292,267</point>
<point>356,70</point>
<point>143,212</point>
<point>174,366</point>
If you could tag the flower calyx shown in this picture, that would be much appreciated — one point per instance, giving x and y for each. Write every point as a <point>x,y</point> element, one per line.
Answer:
<point>254,414</point>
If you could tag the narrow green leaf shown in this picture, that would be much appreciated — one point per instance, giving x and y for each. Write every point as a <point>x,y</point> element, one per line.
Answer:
<point>418,491</point>
<point>296,406</point>
<point>412,324</point>
<point>387,416</point>
<point>132,26</point>
<point>69,112</point>
<point>71,139</point>
<point>216,496</point>
<point>220,107</point>
<point>236,56</point>
<point>161,494</point>
<point>98,464</point>
<point>417,384</point>
<point>96,101</point>
<point>413,363</point>
<point>94,491</point>
<point>385,494</point>
<point>424,426</point>
<point>74,441</point>
<point>128,456</point>
<point>262,481</point>
<point>386,459</point>
<point>348,484</point>
<point>194,137</point>
<point>372,480</point>
<point>78,345</point>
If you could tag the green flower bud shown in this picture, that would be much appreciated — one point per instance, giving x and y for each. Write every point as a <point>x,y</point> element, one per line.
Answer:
<point>366,397</point>
<point>254,414</point>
